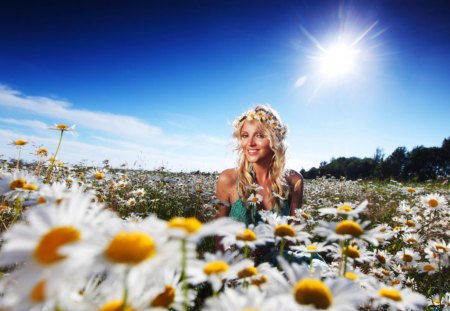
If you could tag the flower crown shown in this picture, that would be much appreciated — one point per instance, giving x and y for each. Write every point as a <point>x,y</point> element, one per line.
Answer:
<point>260,115</point>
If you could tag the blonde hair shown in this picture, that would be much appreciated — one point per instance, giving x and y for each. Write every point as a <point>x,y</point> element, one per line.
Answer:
<point>276,135</point>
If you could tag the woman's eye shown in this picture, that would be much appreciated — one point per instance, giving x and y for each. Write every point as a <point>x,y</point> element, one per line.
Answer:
<point>260,135</point>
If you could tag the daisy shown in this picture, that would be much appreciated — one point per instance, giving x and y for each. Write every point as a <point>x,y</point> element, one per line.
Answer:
<point>63,127</point>
<point>434,201</point>
<point>234,300</point>
<point>216,268</point>
<point>309,291</point>
<point>254,187</point>
<point>427,267</point>
<point>407,257</point>
<point>19,184</point>
<point>254,199</point>
<point>397,298</point>
<point>282,230</point>
<point>40,241</point>
<point>192,230</point>
<point>345,209</point>
<point>123,247</point>
<point>347,229</point>
<point>246,237</point>
<point>19,142</point>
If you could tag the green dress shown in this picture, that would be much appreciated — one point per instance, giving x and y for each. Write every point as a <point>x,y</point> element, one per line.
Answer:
<point>268,252</point>
<point>249,215</point>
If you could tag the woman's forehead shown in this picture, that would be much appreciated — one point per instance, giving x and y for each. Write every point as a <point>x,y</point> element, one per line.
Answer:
<point>252,126</point>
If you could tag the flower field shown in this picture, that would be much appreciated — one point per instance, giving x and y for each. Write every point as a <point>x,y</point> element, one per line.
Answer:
<point>102,238</point>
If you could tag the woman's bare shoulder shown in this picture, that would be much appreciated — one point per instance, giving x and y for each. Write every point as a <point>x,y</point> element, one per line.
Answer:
<point>293,177</point>
<point>228,176</point>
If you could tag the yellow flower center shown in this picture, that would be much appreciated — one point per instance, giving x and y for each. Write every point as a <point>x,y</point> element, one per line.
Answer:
<point>383,229</point>
<point>247,272</point>
<point>312,248</point>
<point>386,272</point>
<point>247,235</point>
<point>390,293</point>
<point>190,224</point>
<point>46,252</point>
<point>433,202</point>
<point>99,176</point>
<point>215,267</point>
<point>20,142</point>
<point>349,227</point>
<point>18,183</point>
<point>411,240</point>
<point>42,152</point>
<point>259,281</point>
<point>130,248</point>
<point>30,187</point>
<point>38,292</point>
<point>381,258</point>
<point>441,247</point>
<point>345,208</point>
<point>407,258</point>
<point>62,126</point>
<point>395,282</point>
<point>410,223</point>
<point>428,268</point>
<point>285,230</point>
<point>164,299</point>
<point>351,252</point>
<point>305,215</point>
<point>115,305</point>
<point>312,291</point>
<point>139,193</point>
<point>351,276</point>
<point>254,199</point>
<point>411,190</point>
<point>3,207</point>
<point>41,200</point>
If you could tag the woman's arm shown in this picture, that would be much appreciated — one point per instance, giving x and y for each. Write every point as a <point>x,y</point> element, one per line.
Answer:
<point>295,181</point>
<point>223,191</point>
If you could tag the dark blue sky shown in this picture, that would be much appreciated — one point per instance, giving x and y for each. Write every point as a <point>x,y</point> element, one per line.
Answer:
<point>213,59</point>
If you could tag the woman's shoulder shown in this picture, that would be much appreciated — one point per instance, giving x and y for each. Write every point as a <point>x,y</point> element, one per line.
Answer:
<point>228,176</point>
<point>293,177</point>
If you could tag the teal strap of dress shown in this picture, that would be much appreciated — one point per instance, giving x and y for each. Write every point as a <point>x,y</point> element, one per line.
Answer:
<point>250,215</point>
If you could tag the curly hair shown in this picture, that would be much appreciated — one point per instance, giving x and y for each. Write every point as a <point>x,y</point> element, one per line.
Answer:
<point>276,137</point>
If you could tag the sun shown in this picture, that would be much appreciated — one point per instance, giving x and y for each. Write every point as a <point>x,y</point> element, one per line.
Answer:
<point>338,60</point>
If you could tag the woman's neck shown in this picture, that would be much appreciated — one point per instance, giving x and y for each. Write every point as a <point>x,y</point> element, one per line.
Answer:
<point>262,172</point>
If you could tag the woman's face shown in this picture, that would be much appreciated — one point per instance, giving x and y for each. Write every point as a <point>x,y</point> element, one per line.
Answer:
<point>255,143</point>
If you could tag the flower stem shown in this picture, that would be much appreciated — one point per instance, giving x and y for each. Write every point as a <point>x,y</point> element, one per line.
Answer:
<point>283,243</point>
<point>18,157</point>
<point>50,169</point>
<point>125,292</point>
<point>347,242</point>
<point>184,283</point>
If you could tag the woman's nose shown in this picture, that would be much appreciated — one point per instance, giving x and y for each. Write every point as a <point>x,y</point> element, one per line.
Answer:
<point>252,141</point>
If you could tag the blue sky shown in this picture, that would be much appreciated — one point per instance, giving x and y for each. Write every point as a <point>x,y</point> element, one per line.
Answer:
<point>159,82</point>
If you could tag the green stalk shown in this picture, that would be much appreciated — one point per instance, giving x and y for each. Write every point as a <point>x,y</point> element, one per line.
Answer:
<point>246,251</point>
<point>184,283</point>
<point>347,242</point>
<point>18,157</point>
<point>125,291</point>
<point>50,169</point>
<point>283,243</point>
<point>310,262</point>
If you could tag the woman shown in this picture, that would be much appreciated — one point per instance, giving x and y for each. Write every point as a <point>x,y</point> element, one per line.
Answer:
<point>260,182</point>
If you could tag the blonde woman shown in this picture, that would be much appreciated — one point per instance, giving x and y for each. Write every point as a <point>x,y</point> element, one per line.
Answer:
<point>260,181</point>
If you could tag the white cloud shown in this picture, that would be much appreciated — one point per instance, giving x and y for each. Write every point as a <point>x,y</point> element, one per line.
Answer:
<point>102,135</point>
<point>26,123</point>
<point>120,125</point>
<point>300,81</point>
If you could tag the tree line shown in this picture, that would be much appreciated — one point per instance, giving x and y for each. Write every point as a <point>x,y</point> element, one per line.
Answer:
<point>419,164</point>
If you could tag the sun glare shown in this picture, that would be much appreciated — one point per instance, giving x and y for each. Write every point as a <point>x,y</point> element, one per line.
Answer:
<point>338,61</point>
